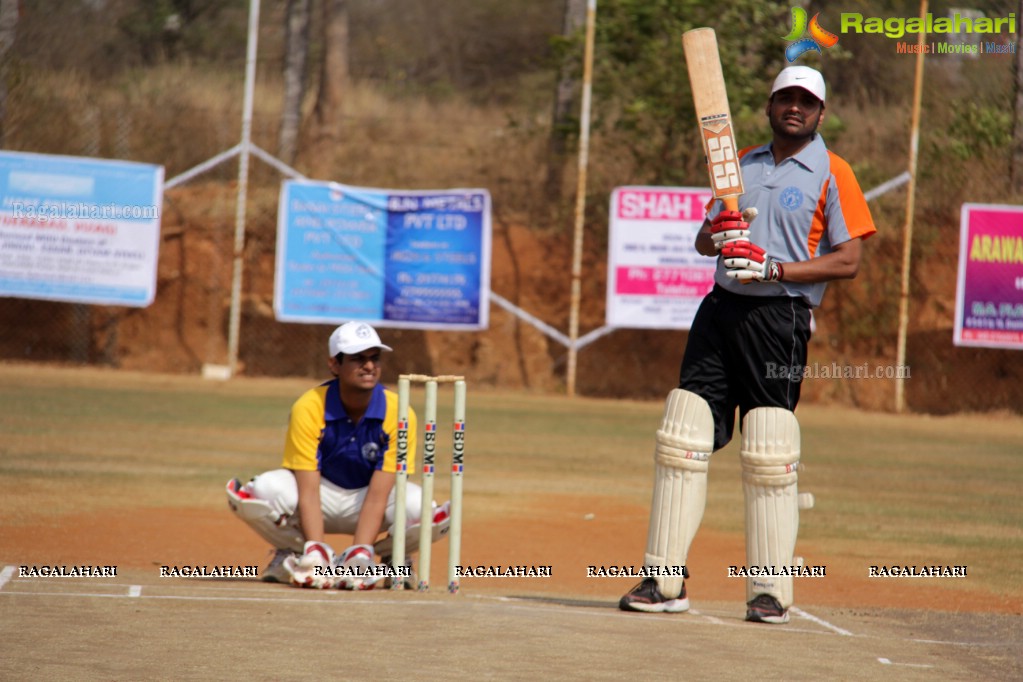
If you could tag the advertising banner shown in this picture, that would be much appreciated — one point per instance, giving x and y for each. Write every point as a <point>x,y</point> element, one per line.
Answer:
<point>656,279</point>
<point>989,290</point>
<point>79,230</point>
<point>396,258</point>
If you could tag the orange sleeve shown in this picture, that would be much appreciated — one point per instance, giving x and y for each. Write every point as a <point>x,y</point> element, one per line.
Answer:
<point>858,220</point>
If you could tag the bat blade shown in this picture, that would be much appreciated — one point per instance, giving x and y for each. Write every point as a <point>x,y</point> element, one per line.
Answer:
<point>713,115</point>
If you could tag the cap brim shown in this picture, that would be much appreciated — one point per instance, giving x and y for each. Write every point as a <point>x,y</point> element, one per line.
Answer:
<point>352,350</point>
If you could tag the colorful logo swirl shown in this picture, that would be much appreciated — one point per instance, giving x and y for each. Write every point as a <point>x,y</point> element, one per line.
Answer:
<point>819,37</point>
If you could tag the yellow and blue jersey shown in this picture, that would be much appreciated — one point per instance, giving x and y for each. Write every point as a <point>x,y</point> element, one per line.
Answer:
<point>322,437</point>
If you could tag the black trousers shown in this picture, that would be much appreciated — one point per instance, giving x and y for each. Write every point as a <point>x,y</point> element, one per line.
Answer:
<point>745,352</point>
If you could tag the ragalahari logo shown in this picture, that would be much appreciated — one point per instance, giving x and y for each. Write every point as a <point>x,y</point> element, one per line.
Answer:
<point>819,37</point>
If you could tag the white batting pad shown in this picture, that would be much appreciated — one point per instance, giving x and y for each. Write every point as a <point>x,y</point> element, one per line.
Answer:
<point>272,524</point>
<point>439,528</point>
<point>770,458</point>
<point>685,443</point>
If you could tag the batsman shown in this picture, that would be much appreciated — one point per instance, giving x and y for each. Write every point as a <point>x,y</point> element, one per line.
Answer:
<point>747,348</point>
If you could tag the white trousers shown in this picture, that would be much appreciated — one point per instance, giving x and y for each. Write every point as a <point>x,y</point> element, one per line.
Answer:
<point>341,508</point>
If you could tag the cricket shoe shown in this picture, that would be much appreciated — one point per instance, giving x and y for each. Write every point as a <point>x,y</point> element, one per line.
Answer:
<point>766,609</point>
<point>276,571</point>
<point>647,597</point>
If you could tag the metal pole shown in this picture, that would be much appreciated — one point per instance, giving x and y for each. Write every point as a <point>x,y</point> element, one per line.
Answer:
<point>580,196</point>
<point>243,186</point>
<point>907,234</point>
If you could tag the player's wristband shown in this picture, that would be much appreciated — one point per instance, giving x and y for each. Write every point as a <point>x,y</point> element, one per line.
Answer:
<point>773,271</point>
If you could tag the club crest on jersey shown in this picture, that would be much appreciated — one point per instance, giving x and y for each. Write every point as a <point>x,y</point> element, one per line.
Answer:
<point>371,452</point>
<point>791,198</point>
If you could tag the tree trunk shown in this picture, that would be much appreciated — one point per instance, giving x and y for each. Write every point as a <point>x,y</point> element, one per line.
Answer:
<point>296,53</point>
<point>8,26</point>
<point>333,84</point>
<point>565,102</point>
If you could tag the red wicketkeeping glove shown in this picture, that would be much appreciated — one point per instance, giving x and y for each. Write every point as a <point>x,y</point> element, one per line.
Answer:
<point>727,227</point>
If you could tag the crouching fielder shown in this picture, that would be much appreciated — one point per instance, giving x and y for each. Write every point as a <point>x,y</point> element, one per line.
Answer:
<point>747,348</point>
<point>337,474</point>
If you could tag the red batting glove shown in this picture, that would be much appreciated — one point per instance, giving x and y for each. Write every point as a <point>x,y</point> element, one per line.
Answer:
<point>727,227</point>
<point>747,262</point>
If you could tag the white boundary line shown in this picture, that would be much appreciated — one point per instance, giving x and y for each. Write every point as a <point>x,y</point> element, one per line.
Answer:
<point>340,596</point>
<point>712,619</point>
<point>517,603</point>
<point>885,661</point>
<point>333,600</point>
<point>820,621</point>
<point>6,575</point>
<point>663,618</point>
<point>939,641</point>
<point>76,580</point>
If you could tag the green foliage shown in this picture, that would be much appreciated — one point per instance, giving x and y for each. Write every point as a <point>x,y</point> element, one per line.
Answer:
<point>966,135</point>
<point>642,84</point>
<point>479,47</point>
<point>871,70</point>
<point>832,127</point>
<point>978,130</point>
<point>166,29</point>
<point>103,37</point>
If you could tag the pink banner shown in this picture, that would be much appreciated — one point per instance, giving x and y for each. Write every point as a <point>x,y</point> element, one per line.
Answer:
<point>660,204</point>
<point>640,281</point>
<point>656,278</point>
<point>989,293</point>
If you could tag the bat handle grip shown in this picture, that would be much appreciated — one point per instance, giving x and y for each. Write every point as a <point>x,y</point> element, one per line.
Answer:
<point>731,203</point>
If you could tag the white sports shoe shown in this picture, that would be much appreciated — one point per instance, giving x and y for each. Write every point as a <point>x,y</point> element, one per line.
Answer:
<point>275,572</point>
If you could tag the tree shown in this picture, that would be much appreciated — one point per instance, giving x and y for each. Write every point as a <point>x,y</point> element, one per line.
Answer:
<point>326,121</point>
<point>563,121</point>
<point>642,86</point>
<point>8,27</point>
<point>296,48</point>
<point>166,29</point>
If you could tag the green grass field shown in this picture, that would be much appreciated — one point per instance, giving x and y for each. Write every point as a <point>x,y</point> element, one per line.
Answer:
<point>895,489</point>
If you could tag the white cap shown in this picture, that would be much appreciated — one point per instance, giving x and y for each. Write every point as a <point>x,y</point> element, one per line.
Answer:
<point>804,77</point>
<point>354,337</point>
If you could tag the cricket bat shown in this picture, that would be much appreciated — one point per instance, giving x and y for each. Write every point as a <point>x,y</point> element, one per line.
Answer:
<point>713,115</point>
